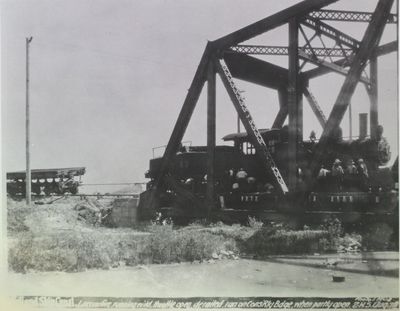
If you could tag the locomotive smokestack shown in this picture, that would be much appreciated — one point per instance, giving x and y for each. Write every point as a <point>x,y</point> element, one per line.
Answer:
<point>363,125</point>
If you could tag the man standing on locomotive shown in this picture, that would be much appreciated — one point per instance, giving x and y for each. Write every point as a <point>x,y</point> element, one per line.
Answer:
<point>363,173</point>
<point>337,174</point>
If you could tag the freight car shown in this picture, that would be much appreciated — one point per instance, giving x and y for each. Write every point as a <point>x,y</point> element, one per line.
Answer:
<point>48,181</point>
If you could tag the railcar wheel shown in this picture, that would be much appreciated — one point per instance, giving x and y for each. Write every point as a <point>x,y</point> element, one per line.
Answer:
<point>47,190</point>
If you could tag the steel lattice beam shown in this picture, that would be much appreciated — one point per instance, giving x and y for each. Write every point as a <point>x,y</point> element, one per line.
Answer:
<point>331,32</point>
<point>348,16</point>
<point>283,50</point>
<point>322,52</point>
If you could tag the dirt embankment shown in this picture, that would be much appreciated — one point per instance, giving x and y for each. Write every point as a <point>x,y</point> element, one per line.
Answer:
<point>69,235</point>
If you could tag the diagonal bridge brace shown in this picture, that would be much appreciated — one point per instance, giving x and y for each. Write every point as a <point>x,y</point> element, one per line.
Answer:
<point>330,66</point>
<point>345,62</point>
<point>251,129</point>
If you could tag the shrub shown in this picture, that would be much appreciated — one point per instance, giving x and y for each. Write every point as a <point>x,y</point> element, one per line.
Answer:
<point>166,245</point>
<point>272,241</point>
<point>77,251</point>
<point>335,230</point>
<point>378,237</point>
<point>16,220</point>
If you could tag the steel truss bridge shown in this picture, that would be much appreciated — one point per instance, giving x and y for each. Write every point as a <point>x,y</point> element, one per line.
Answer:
<point>326,47</point>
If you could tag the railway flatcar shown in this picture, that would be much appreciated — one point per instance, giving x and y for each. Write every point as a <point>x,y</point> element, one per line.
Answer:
<point>46,181</point>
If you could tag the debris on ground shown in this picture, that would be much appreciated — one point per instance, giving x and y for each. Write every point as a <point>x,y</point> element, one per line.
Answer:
<point>93,212</point>
<point>331,263</point>
<point>223,254</point>
<point>350,243</point>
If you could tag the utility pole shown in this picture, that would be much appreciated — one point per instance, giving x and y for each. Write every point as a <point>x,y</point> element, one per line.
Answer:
<point>28,164</point>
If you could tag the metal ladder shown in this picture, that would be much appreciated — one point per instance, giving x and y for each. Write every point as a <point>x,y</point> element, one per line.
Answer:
<point>248,122</point>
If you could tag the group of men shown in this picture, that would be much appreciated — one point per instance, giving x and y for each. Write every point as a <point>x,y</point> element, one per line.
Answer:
<point>355,172</point>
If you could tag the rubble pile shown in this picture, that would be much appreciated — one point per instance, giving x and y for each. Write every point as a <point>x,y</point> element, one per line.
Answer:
<point>349,244</point>
<point>223,255</point>
<point>93,212</point>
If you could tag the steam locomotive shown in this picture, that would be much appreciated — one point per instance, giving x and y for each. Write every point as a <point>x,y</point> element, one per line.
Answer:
<point>352,197</point>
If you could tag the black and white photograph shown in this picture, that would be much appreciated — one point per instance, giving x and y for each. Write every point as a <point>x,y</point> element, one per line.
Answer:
<point>199,154</point>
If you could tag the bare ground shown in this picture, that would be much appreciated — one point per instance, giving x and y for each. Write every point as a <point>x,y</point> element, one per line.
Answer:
<point>366,275</point>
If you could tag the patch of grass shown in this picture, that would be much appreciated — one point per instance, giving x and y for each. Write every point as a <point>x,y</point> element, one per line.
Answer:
<point>272,241</point>
<point>379,237</point>
<point>166,245</point>
<point>16,220</point>
<point>77,251</point>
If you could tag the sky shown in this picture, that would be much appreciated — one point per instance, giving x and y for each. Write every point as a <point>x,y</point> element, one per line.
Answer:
<point>108,79</point>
